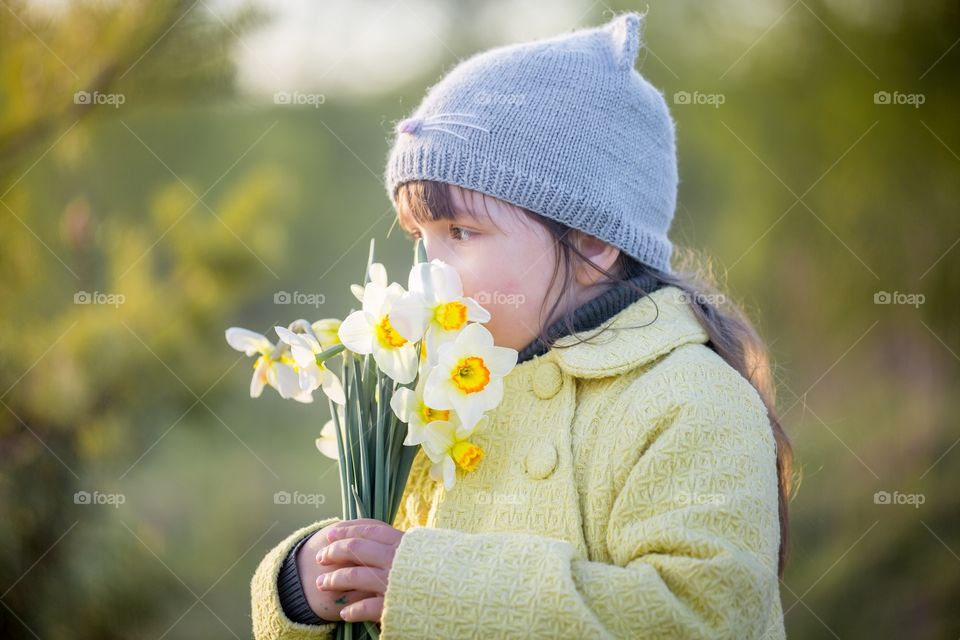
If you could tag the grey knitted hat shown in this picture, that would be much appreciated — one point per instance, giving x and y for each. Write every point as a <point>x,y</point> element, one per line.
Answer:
<point>564,127</point>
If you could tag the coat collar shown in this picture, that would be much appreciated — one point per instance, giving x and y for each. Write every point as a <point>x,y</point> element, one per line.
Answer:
<point>647,329</point>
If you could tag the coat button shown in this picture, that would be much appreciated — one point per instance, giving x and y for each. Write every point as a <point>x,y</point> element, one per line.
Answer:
<point>540,461</point>
<point>547,380</point>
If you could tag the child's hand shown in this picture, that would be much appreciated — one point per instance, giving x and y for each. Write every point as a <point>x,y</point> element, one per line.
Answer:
<point>327,603</point>
<point>371,546</point>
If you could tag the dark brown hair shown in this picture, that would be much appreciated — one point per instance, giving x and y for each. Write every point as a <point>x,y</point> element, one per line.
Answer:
<point>731,334</point>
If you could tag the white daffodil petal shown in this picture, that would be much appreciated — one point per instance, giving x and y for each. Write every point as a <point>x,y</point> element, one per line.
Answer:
<point>378,274</point>
<point>303,356</point>
<point>249,342</point>
<point>409,316</point>
<point>326,332</point>
<point>289,337</point>
<point>357,292</point>
<point>415,435</point>
<point>311,377</point>
<point>436,471</point>
<point>438,389</point>
<point>438,438</point>
<point>403,403</point>
<point>357,332</point>
<point>392,293</point>
<point>468,409</point>
<point>449,473</point>
<point>475,313</point>
<point>327,442</point>
<point>259,378</point>
<point>304,396</point>
<point>286,379</point>
<point>446,280</point>
<point>373,298</point>
<point>332,387</point>
<point>475,335</point>
<point>500,360</point>
<point>400,364</point>
<point>463,432</point>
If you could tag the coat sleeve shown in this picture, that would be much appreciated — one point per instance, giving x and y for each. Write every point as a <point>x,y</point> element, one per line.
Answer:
<point>692,539</point>
<point>269,620</point>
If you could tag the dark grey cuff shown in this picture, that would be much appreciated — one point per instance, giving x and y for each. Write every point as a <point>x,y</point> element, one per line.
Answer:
<point>292,599</point>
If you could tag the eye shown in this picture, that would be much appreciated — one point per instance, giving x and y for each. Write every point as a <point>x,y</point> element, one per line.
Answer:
<point>461,234</point>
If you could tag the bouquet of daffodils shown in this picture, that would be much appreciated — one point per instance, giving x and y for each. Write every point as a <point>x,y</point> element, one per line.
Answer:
<point>416,368</point>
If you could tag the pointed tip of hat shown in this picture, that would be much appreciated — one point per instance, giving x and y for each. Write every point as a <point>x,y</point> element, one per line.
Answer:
<point>626,37</point>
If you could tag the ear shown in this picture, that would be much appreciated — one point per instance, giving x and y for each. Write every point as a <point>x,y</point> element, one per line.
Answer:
<point>600,253</point>
<point>625,39</point>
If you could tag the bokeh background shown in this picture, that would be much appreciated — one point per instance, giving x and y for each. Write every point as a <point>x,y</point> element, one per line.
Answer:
<point>168,169</point>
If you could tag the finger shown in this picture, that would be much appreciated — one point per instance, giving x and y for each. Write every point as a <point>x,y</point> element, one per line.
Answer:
<point>354,579</point>
<point>354,521</point>
<point>357,551</point>
<point>332,611</point>
<point>369,609</point>
<point>378,532</point>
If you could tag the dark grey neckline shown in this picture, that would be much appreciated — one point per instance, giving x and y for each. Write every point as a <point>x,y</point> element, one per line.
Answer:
<point>594,312</point>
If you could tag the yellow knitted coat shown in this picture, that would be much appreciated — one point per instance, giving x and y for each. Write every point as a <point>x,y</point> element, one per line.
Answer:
<point>628,490</point>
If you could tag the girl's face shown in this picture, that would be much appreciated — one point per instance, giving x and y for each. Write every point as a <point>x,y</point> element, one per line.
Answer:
<point>507,266</point>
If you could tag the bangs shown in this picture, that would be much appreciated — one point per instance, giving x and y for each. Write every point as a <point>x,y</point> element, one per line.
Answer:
<point>429,200</point>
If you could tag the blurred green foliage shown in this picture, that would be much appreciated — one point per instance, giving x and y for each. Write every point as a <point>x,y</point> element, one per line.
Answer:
<point>197,205</point>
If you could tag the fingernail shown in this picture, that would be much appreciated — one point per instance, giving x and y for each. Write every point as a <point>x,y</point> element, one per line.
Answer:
<point>345,614</point>
<point>320,580</point>
<point>332,535</point>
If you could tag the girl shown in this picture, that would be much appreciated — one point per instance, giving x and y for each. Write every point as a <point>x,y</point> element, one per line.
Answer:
<point>635,476</point>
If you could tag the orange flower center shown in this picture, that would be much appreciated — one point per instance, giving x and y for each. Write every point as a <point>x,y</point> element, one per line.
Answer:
<point>450,315</point>
<point>387,336</point>
<point>470,374</point>
<point>429,415</point>
<point>467,455</point>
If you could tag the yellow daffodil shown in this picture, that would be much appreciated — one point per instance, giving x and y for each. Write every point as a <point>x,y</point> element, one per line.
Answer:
<point>448,446</point>
<point>468,376</point>
<point>370,331</point>
<point>409,406</point>
<point>274,365</point>
<point>304,347</point>
<point>434,307</point>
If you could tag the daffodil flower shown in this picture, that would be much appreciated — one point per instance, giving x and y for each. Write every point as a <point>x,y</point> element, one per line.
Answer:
<point>377,273</point>
<point>468,376</point>
<point>409,406</point>
<point>434,306</point>
<point>448,447</point>
<point>327,442</point>
<point>369,331</point>
<point>304,347</point>
<point>274,366</point>
<point>326,332</point>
